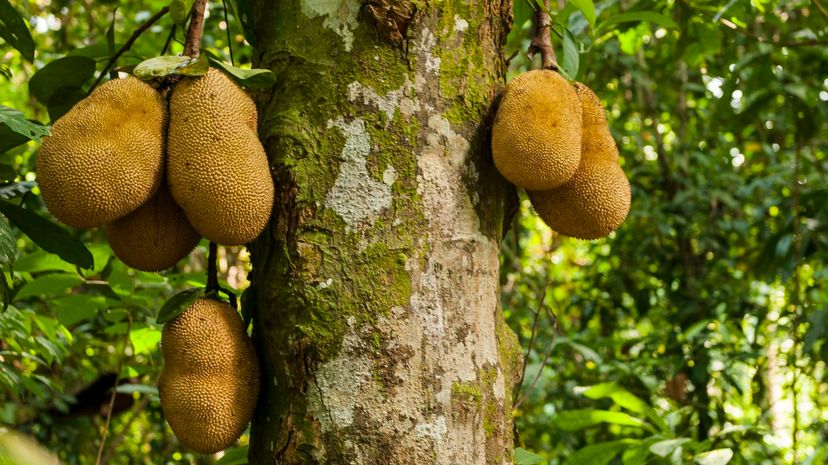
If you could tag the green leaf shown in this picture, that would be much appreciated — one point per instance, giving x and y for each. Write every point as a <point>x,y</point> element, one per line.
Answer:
<point>714,457</point>
<point>139,388</point>
<point>587,8</point>
<point>638,16</point>
<point>179,9</point>
<point>171,64</point>
<point>575,420</point>
<point>18,123</point>
<point>241,10</point>
<point>598,454</point>
<point>234,456</point>
<point>251,78</point>
<point>42,261</point>
<point>177,304</point>
<point>666,447</point>
<point>49,285</point>
<point>524,457</point>
<point>48,235</point>
<point>10,139</point>
<point>75,308</point>
<point>635,456</point>
<point>625,399</point>
<point>59,85</point>
<point>571,57</point>
<point>14,31</point>
<point>8,245</point>
<point>144,340</point>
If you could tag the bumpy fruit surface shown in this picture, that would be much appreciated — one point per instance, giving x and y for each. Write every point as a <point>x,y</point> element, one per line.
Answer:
<point>210,381</point>
<point>536,137</point>
<point>105,157</point>
<point>155,236</point>
<point>596,200</point>
<point>217,168</point>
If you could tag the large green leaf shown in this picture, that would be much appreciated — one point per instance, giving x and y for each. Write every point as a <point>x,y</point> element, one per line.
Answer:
<point>10,139</point>
<point>48,235</point>
<point>49,285</point>
<point>625,399</point>
<point>587,8</point>
<point>177,304</point>
<point>714,457</point>
<point>524,457</point>
<point>250,78</point>
<point>18,123</point>
<point>599,454</point>
<point>179,9</point>
<point>8,245</point>
<point>14,31</point>
<point>144,340</point>
<point>638,16</point>
<point>574,420</point>
<point>571,56</point>
<point>667,446</point>
<point>171,64</point>
<point>59,85</point>
<point>75,308</point>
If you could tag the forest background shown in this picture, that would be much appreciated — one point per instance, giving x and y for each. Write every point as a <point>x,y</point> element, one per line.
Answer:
<point>696,332</point>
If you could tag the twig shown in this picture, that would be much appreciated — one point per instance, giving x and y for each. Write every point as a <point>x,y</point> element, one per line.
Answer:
<point>212,268</point>
<point>542,299</point>
<point>546,356</point>
<point>128,44</point>
<point>229,40</point>
<point>192,44</point>
<point>111,407</point>
<point>542,39</point>
<point>170,37</point>
<point>779,43</point>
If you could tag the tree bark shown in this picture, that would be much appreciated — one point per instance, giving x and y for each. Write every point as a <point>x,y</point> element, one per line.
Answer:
<point>375,290</point>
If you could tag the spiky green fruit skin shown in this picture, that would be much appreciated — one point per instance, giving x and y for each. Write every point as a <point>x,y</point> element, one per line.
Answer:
<point>536,136</point>
<point>217,169</point>
<point>209,385</point>
<point>105,157</point>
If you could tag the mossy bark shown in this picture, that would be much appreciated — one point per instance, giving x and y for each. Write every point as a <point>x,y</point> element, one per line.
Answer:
<point>375,291</point>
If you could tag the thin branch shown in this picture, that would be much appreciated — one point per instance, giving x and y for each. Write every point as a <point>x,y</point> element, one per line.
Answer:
<point>542,298</point>
<point>525,394</point>
<point>169,40</point>
<point>135,35</point>
<point>192,44</point>
<point>778,43</point>
<point>229,39</point>
<point>542,39</point>
<point>105,433</point>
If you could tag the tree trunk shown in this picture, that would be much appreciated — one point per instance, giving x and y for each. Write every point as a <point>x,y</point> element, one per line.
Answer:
<point>376,308</point>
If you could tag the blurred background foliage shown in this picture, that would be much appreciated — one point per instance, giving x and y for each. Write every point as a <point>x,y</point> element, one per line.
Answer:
<point>695,334</point>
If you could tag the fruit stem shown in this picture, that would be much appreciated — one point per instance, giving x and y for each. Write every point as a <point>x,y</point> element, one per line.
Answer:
<point>212,269</point>
<point>542,39</point>
<point>192,42</point>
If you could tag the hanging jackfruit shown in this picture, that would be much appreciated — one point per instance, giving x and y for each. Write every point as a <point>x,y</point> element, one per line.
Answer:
<point>210,380</point>
<point>596,200</point>
<point>155,236</point>
<point>105,157</point>
<point>536,137</point>
<point>217,168</point>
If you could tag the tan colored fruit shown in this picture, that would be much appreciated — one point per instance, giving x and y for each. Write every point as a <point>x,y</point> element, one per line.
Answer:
<point>155,236</point>
<point>217,168</point>
<point>105,157</point>
<point>210,381</point>
<point>589,206</point>
<point>596,139</point>
<point>536,137</point>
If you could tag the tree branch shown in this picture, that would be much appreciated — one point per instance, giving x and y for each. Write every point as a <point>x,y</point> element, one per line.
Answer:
<point>192,44</point>
<point>212,268</point>
<point>542,39</point>
<point>137,33</point>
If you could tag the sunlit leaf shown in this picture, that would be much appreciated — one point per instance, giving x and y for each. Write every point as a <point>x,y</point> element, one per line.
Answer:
<point>171,64</point>
<point>714,457</point>
<point>49,285</point>
<point>179,9</point>
<point>524,457</point>
<point>587,8</point>
<point>234,456</point>
<point>575,420</point>
<point>666,447</point>
<point>18,123</point>
<point>638,16</point>
<point>144,340</point>
<point>14,31</point>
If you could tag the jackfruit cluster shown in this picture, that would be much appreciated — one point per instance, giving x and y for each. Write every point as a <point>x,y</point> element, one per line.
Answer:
<point>159,179</point>
<point>209,384</point>
<point>535,138</point>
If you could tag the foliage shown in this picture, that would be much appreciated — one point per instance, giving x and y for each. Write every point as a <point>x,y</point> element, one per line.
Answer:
<point>705,311</point>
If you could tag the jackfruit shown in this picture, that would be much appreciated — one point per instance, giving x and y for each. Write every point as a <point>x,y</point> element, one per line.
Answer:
<point>155,236</point>
<point>217,168</point>
<point>209,384</point>
<point>596,200</point>
<point>536,137</point>
<point>105,157</point>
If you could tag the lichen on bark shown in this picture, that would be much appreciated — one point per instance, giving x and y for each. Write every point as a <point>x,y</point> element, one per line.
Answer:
<point>376,285</point>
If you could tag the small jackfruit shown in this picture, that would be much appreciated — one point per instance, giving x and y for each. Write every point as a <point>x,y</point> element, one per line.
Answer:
<point>536,137</point>
<point>155,236</point>
<point>209,384</point>
<point>217,168</point>
<point>105,157</point>
<point>596,200</point>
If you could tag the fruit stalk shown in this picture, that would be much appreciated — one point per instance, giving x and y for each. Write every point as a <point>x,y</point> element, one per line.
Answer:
<point>192,43</point>
<point>542,39</point>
